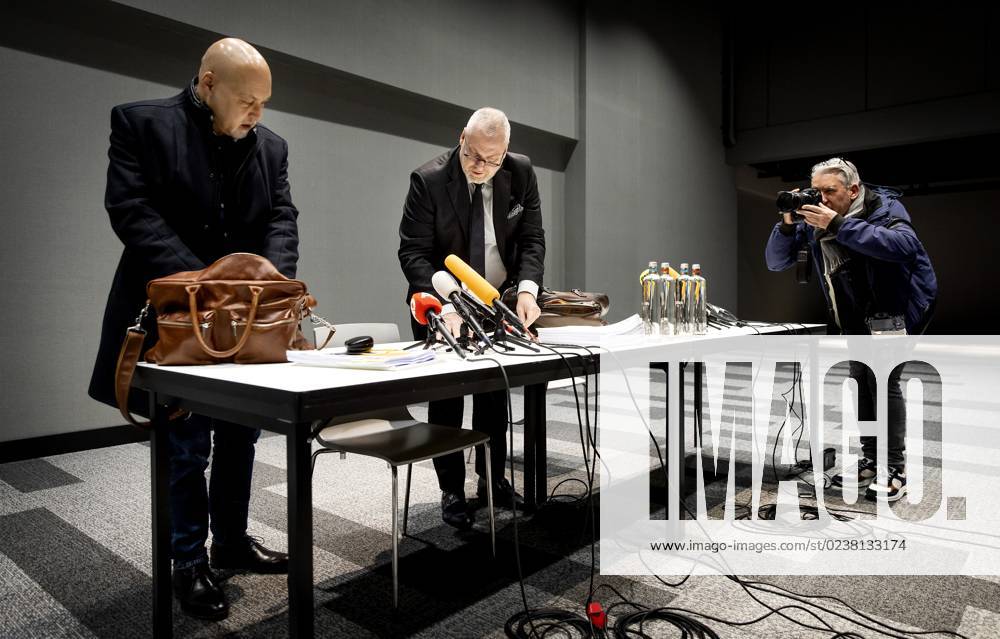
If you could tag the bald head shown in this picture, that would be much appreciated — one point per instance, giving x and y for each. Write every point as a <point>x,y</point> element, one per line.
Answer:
<point>234,81</point>
<point>232,57</point>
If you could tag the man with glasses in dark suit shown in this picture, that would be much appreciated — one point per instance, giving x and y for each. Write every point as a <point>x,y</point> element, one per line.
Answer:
<point>479,202</point>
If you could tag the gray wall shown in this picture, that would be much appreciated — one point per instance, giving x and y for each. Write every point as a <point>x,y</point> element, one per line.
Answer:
<point>466,53</point>
<point>656,186</point>
<point>614,189</point>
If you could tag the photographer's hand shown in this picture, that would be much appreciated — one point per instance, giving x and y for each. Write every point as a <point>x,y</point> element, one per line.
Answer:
<point>818,215</point>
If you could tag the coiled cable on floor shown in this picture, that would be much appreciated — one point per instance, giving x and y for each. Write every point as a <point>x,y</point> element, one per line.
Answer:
<point>548,622</point>
<point>625,626</point>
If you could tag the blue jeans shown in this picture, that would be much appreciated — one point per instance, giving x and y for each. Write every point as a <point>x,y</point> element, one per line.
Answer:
<point>226,498</point>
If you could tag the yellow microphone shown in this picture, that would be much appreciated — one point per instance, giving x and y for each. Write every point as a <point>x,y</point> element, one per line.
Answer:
<point>468,276</point>
<point>481,288</point>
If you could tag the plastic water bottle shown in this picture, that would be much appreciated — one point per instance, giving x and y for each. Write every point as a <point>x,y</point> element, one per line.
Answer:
<point>700,295</point>
<point>650,310</point>
<point>668,309</point>
<point>684,299</point>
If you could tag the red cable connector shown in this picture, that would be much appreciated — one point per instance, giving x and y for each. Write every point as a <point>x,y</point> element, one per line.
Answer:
<point>598,617</point>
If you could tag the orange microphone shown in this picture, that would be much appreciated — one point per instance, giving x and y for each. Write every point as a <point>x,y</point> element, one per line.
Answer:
<point>426,309</point>
<point>482,289</point>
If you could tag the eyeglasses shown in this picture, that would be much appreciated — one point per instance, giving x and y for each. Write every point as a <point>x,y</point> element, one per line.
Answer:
<point>477,160</point>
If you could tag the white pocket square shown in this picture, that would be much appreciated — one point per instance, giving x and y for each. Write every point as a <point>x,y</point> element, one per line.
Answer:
<point>515,211</point>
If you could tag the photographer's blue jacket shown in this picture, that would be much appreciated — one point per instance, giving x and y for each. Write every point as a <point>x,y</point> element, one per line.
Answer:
<point>887,270</point>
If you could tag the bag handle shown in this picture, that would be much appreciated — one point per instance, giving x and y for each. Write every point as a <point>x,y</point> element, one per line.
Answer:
<point>319,321</point>
<point>192,291</point>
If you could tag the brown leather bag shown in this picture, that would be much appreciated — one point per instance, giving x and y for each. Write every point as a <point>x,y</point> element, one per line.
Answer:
<point>240,309</point>
<point>565,308</point>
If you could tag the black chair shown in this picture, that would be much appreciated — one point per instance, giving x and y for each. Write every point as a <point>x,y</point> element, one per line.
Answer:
<point>396,437</point>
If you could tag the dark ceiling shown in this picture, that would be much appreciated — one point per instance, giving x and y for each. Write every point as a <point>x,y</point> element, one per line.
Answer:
<point>963,164</point>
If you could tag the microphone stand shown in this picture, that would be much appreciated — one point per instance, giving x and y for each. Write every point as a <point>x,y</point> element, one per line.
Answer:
<point>428,342</point>
<point>457,347</point>
<point>469,321</point>
<point>501,336</point>
<point>435,326</point>
<point>463,336</point>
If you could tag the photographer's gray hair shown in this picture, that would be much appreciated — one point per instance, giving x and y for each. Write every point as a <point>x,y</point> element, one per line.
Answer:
<point>848,172</point>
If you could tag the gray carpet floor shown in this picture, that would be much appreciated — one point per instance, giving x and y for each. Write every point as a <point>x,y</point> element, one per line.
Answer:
<point>75,560</point>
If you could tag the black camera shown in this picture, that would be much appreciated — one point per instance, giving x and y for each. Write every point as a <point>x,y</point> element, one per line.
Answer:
<point>791,201</point>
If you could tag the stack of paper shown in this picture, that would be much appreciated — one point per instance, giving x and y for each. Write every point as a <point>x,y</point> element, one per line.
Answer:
<point>590,335</point>
<point>376,359</point>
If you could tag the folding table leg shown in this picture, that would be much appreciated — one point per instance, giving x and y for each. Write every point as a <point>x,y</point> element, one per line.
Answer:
<point>163,622</point>
<point>300,551</point>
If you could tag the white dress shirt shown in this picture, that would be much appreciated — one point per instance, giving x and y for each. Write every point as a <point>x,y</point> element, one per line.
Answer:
<point>496,273</point>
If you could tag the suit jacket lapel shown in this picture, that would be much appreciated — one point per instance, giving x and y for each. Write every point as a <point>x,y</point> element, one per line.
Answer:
<point>501,205</point>
<point>458,191</point>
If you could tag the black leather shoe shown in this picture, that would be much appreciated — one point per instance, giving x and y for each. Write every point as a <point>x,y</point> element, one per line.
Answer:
<point>251,556</point>
<point>199,593</point>
<point>504,494</point>
<point>455,510</point>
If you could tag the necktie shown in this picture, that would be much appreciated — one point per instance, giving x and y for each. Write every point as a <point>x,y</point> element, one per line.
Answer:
<point>477,232</point>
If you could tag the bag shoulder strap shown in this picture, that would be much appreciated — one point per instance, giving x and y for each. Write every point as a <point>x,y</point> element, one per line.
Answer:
<point>128,358</point>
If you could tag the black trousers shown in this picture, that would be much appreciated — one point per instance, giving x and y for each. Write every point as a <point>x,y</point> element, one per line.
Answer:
<point>895,419</point>
<point>489,416</point>
<point>896,416</point>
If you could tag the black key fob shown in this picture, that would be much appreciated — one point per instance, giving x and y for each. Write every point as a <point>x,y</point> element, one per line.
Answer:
<point>359,344</point>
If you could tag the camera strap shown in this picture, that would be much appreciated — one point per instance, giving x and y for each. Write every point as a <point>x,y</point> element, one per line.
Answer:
<point>803,266</point>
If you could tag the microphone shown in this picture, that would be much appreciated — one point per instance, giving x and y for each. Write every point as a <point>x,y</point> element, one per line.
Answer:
<point>484,312</point>
<point>474,303</point>
<point>488,313</point>
<point>448,288</point>
<point>426,309</point>
<point>481,288</point>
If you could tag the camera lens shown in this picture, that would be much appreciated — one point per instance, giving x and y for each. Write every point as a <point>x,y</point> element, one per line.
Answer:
<point>790,201</point>
<point>787,201</point>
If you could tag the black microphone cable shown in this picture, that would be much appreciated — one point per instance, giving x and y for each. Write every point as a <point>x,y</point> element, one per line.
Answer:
<point>562,620</point>
<point>689,627</point>
<point>566,620</point>
<point>626,602</point>
<point>880,627</point>
<point>510,456</point>
<point>542,622</point>
<point>746,586</point>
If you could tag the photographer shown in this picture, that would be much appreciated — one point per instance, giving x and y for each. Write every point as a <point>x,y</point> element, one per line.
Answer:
<point>876,277</point>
